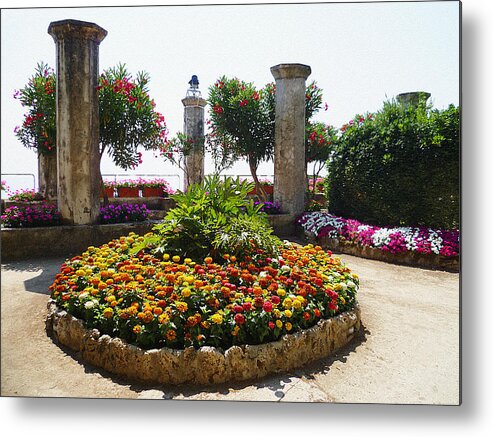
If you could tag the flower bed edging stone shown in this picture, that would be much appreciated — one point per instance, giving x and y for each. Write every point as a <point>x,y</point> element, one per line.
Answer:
<point>207,365</point>
<point>451,264</point>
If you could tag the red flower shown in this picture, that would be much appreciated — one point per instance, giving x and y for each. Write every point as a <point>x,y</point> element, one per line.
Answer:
<point>243,102</point>
<point>306,316</point>
<point>218,109</point>
<point>239,319</point>
<point>247,306</point>
<point>275,299</point>
<point>238,309</point>
<point>267,307</point>
<point>271,325</point>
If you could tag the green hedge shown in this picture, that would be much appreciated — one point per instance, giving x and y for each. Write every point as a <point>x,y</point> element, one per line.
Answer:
<point>400,166</point>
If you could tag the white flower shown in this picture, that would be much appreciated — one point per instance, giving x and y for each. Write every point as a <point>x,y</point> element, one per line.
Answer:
<point>89,304</point>
<point>351,284</point>
<point>83,295</point>
<point>285,268</point>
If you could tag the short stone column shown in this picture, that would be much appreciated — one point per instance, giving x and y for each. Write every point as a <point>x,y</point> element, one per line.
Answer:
<point>413,98</point>
<point>47,175</point>
<point>289,148</point>
<point>193,128</point>
<point>77,47</point>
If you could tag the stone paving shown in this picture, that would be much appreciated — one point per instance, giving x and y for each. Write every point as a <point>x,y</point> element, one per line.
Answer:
<point>407,351</point>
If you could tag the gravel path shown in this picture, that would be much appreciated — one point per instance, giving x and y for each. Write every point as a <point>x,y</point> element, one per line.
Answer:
<point>408,351</point>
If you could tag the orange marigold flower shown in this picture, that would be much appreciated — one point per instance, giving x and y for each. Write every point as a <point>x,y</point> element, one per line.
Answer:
<point>171,335</point>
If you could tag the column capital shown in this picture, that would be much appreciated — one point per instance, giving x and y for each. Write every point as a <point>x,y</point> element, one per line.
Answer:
<point>66,29</point>
<point>290,71</point>
<point>412,98</point>
<point>194,101</point>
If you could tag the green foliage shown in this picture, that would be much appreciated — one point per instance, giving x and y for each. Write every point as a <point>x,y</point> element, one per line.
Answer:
<point>242,124</point>
<point>126,114</point>
<point>127,117</point>
<point>212,219</point>
<point>38,130</point>
<point>399,167</point>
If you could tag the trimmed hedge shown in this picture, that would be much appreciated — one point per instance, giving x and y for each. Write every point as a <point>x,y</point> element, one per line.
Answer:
<point>400,167</point>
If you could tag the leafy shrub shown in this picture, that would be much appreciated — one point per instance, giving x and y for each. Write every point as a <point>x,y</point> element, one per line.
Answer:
<point>209,214</point>
<point>123,213</point>
<point>270,208</point>
<point>399,167</point>
<point>31,216</point>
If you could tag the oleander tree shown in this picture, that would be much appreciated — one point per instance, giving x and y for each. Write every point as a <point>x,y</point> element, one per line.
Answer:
<point>242,124</point>
<point>127,116</point>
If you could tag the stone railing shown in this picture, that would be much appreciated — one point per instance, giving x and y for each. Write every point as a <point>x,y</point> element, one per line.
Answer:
<point>207,365</point>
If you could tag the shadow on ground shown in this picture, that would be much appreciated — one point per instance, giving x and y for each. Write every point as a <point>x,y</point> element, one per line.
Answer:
<point>38,284</point>
<point>276,383</point>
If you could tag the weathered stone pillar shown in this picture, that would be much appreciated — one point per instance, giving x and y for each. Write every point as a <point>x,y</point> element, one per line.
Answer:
<point>413,98</point>
<point>193,128</point>
<point>77,46</point>
<point>289,150</point>
<point>47,175</point>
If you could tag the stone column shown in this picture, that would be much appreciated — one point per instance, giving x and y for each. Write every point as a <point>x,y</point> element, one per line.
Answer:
<point>412,98</point>
<point>289,149</point>
<point>193,128</point>
<point>47,175</point>
<point>77,47</point>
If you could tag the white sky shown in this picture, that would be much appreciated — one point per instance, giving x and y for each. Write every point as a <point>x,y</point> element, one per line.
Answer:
<point>360,54</point>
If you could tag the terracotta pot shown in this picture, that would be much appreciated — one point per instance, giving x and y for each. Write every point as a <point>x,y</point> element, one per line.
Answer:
<point>109,192</point>
<point>268,189</point>
<point>128,192</point>
<point>152,192</point>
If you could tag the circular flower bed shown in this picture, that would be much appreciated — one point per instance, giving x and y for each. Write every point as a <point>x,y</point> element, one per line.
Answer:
<point>167,301</point>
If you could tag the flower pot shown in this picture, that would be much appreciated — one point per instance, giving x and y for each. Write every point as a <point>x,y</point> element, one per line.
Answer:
<point>152,191</point>
<point>268,189</point>
<point>128,192</point>
<point>110,192</point>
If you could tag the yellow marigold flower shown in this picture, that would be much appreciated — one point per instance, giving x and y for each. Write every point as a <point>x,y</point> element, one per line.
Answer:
<point>181,306</point>
<point>80,272</point>
<point>187,260</point>
<point>137,329</point>
<point>288,313</point>
<point>288,326</point>
<point>166,257</point>
<point>338,287</point>
<point>342,300</point>
<point>108,313</point>
<point>186,292</point>
<point>217,319</point>
<point>355,276</point>
<point>288,303</point>
<point>163,318</point>
<point>297,304</point>
<point>281,292</point>
<point>176,259</point>
<point>110,299</point>
<point>205,324</point>
<point>235,330</point>
<point>278,323</point>
<point>190,279</point>
<point>276,313</point>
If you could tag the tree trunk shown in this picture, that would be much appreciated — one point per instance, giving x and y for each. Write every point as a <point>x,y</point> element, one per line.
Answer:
<point>47,175</point>
<point>258,185</point>
<point>106,202</point>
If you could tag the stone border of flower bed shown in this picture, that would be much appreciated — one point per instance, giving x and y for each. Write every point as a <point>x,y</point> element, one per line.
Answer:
<point>207,365</point>
<point>451,264</point>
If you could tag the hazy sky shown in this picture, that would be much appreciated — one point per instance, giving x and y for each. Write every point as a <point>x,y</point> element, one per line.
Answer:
<point>360,54</point>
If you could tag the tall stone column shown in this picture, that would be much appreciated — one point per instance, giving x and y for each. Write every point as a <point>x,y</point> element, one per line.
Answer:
<point>289,149</point>
<point>77,47</point>
<point>412,98</point>
<point>193,128</point>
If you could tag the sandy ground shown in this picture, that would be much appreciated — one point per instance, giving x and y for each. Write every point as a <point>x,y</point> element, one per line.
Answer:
<point>407,353</point>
